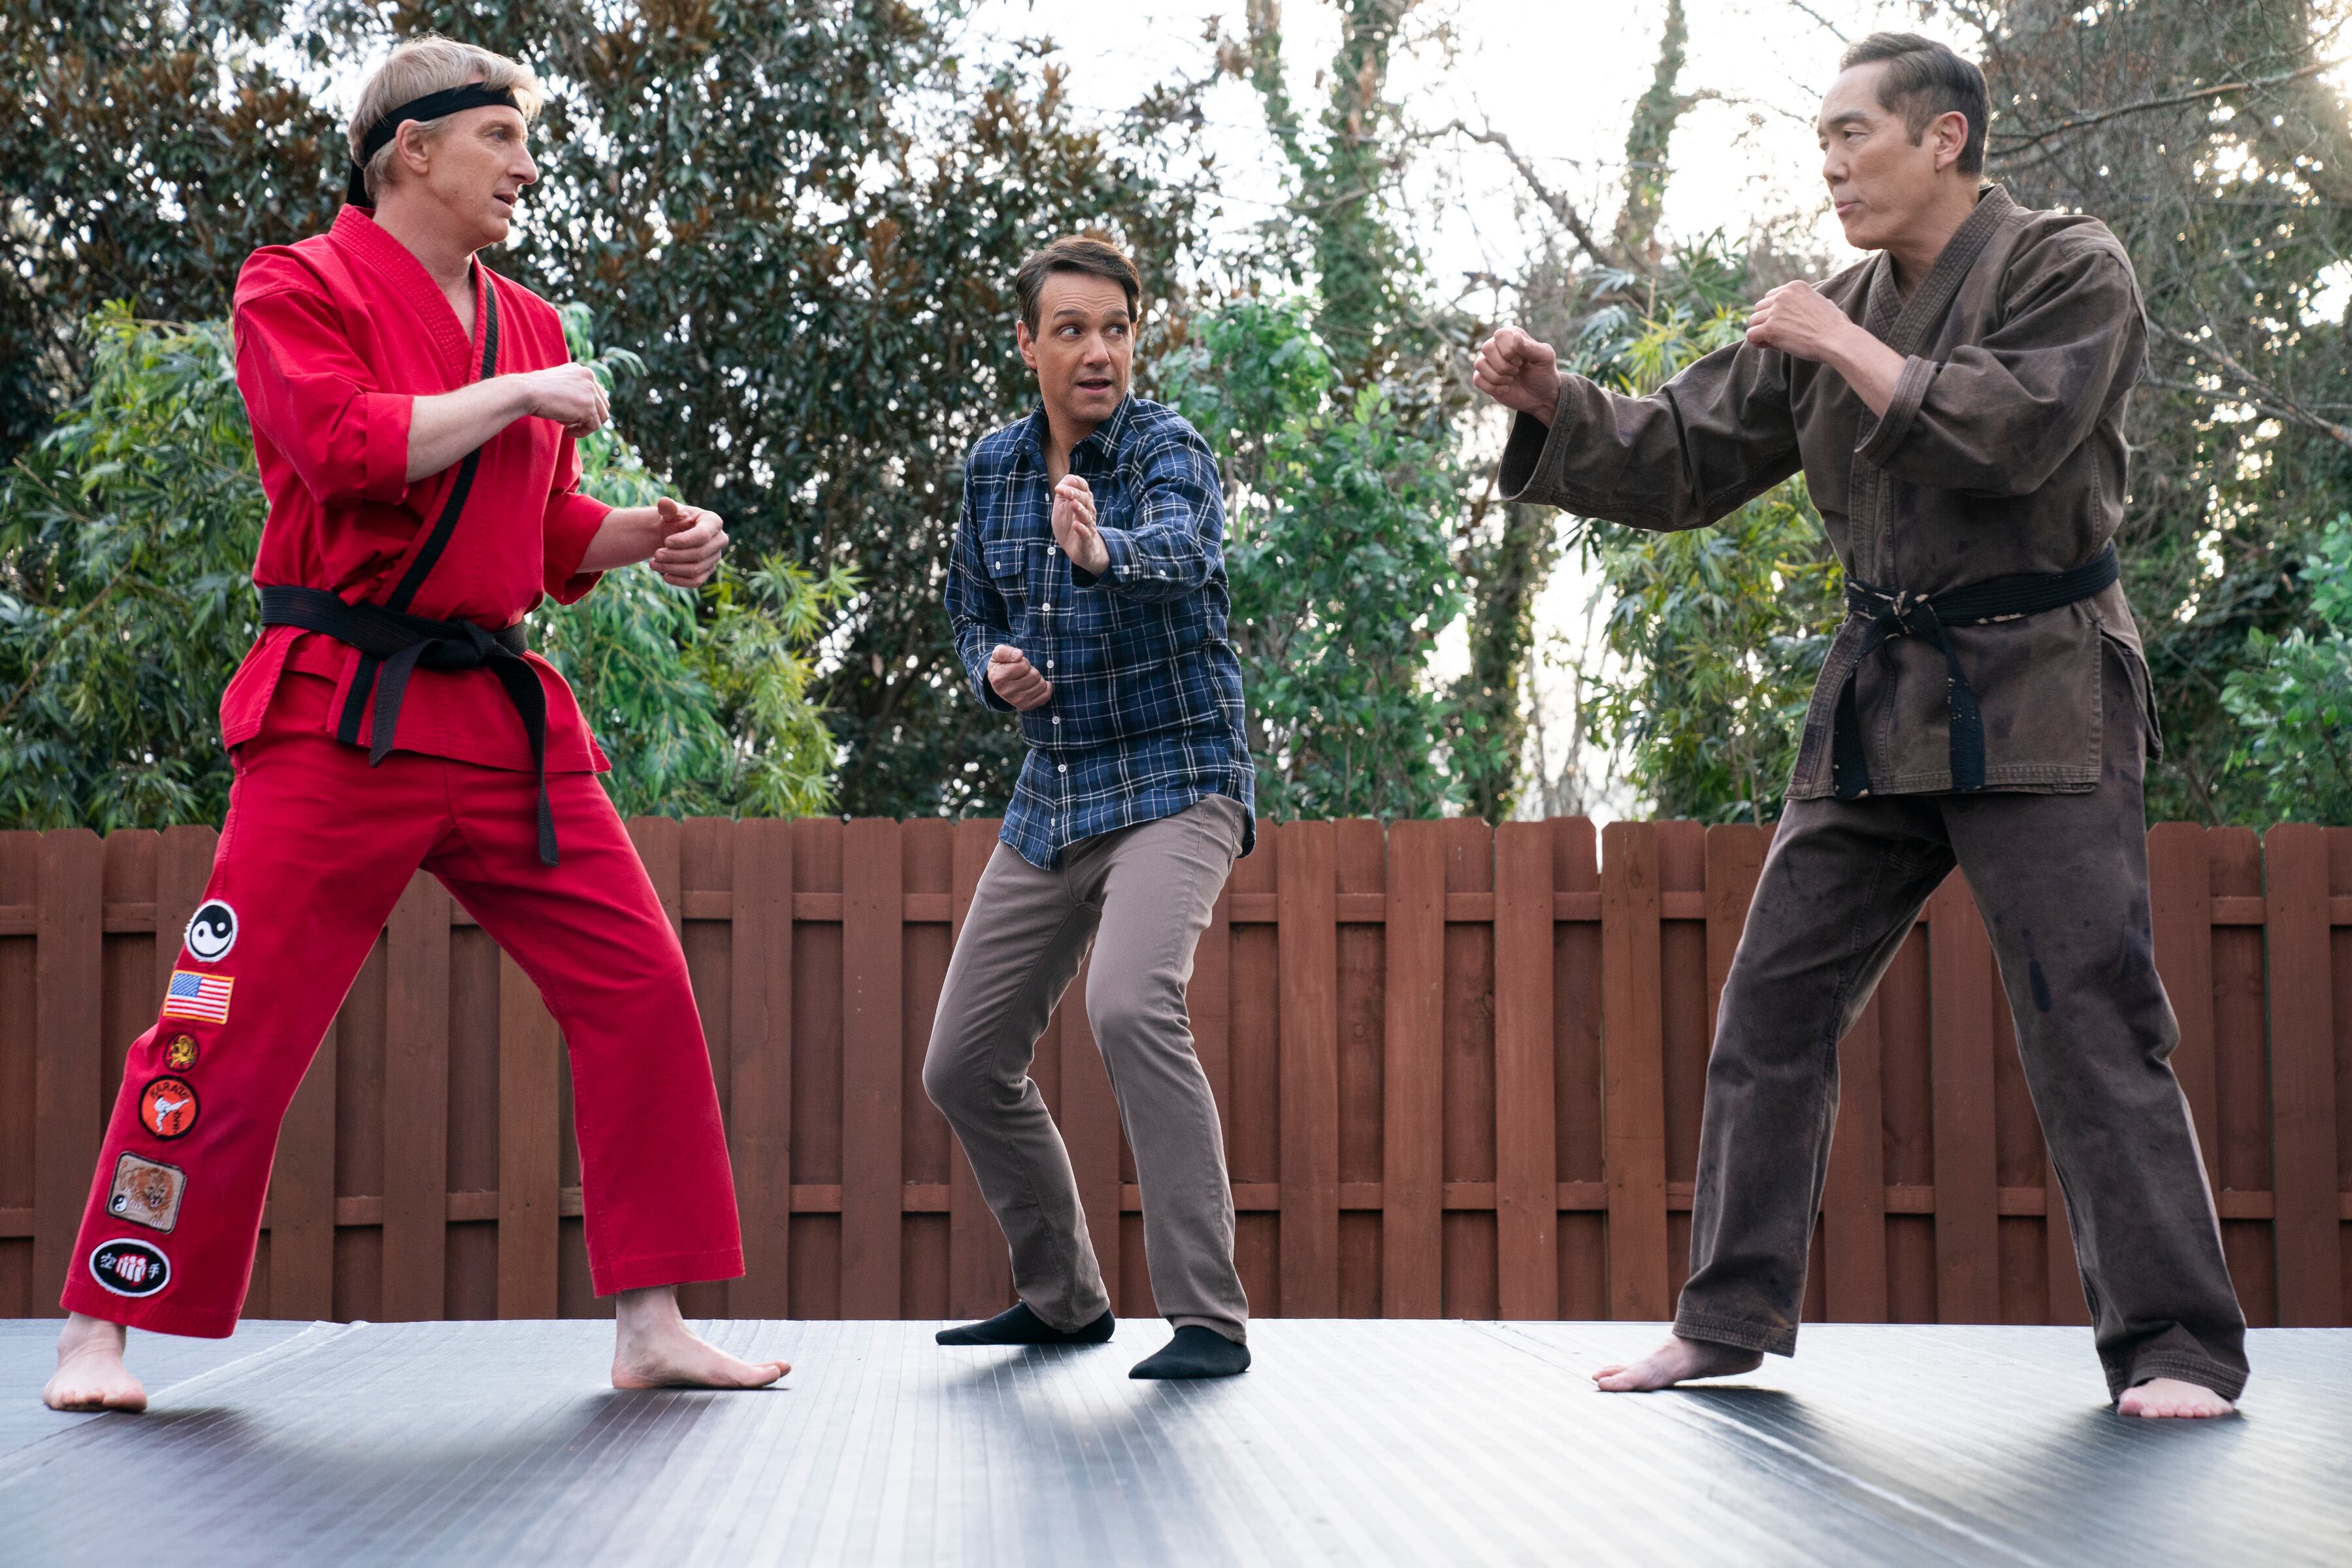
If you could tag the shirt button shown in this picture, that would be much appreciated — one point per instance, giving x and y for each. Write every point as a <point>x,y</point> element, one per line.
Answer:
<point>1066,767</point>
<point>1057,720</point>
<point>1049,663</point>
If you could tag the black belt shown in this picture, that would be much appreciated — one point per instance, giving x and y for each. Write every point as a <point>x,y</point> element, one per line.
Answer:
<point>1925,616</point>
<point>393,644</point>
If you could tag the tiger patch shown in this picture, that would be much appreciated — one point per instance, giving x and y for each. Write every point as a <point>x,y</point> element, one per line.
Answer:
<point>147,1192</point>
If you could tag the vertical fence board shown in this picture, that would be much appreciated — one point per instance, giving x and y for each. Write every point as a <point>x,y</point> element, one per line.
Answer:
<point>1634,1089</point>
<point>1734,864</point>
<point>1308,938</point>
<point>759,1070</point>
<point>2302,1076</point>
<point>301,1207</point>
<point>2180,902</point>
<point>69,1096</point>
<point>1089,1123</point>
<point>183,864</point>
<point>417,1104</point>
<point>1526,1189</point>
<point>1412,1126</point>
<point>530,1146</point>
<point>873,907</point>
<point>980,1284</point>
<point>1967,1197</point>
<point>1853,1206</point>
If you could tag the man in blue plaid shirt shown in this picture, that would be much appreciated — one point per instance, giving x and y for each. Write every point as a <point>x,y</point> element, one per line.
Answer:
<point>1087,590</point>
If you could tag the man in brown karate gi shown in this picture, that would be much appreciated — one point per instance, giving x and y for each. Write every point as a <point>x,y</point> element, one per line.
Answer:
<point>1955,403</point>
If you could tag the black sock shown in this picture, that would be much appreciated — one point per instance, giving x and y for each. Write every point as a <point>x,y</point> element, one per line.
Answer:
<point>1017,1325</point>
<point>1195,1352</point>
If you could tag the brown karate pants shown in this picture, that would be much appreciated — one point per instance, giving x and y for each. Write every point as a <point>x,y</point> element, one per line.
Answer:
<point>2062,881</point>
<point>1140,897</point>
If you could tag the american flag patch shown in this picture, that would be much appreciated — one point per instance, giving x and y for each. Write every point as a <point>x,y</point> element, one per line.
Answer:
<point>193,995</point>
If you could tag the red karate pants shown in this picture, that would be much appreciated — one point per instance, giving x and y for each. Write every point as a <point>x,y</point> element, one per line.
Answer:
<point>317,850</point>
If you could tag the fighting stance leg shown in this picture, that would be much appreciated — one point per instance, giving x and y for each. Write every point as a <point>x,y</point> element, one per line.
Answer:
<point>1840,891</point>
<point>314,853</point>
<point>1021,943</point>
<point>657,1192</point>
<point>2062,881</point>
<point>1156,885</point>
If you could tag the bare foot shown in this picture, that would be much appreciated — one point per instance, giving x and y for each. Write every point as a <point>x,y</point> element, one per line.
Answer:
<point>2163,1396</point>
<point>653,1348</point>
<point>91,1375</point>
<point>1676,1361</point>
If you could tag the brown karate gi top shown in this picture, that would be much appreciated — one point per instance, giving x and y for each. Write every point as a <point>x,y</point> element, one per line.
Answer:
<point>2002,454</point>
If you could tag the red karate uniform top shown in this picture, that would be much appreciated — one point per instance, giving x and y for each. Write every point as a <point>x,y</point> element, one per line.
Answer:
<point>336,335</point>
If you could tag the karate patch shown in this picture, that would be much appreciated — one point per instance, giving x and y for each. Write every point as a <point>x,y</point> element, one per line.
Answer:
<point>181,1054</point>
<point>147,1192</point>
<point>211,932</point>
<point>167,1107</point>
<point>130,1268</point>
<point>194,995</point>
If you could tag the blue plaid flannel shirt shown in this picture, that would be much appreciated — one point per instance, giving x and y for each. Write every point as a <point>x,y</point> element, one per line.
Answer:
<point>1146,716</point>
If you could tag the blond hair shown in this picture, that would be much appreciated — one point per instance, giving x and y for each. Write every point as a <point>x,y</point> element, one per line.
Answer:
<point>421,66</point>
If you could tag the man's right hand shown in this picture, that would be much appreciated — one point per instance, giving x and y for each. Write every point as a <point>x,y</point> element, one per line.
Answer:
<point>1016,680</point>
<point>1518,372</point>
<point>569,394</point>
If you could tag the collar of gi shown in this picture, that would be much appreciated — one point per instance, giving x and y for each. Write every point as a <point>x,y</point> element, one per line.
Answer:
<point>432,106</point>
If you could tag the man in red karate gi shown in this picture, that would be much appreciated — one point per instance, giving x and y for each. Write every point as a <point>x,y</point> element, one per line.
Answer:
<point>414,415</point>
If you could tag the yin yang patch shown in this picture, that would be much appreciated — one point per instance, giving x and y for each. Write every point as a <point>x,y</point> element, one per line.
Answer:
<point>211,932</point>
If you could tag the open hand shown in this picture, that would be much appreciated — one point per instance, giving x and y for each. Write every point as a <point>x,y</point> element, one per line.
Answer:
<point>1074,526</point>
<point>1518,372</point>
<point>1796,320</point>
<point>1015,680</point>
<point>692,541</point>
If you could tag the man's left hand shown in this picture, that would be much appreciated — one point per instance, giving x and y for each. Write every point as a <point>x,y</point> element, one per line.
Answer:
<point>1074,526</point>
<point>1798,321</point>
<point>692,541</point>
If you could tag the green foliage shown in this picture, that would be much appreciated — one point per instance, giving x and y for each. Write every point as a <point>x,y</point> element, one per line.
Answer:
<point>1721,630</point>
<point>2292,700</point>
<point>1341,583</point>
<point>127,540</point>
<point>803,215</point>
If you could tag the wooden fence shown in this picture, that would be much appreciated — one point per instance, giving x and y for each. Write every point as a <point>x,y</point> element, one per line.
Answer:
<point>1460,1071</point>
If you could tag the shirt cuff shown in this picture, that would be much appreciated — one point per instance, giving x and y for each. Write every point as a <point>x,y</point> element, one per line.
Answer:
<point>1120,568</point>
<point>572,519</point>
<point>1523,454</point>
<point>1879,441</point>
<point>385,418</point>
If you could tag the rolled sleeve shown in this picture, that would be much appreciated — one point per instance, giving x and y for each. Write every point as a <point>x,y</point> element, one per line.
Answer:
<point>1886,432</point>
<point>311,395</point>
<point>572,521</point>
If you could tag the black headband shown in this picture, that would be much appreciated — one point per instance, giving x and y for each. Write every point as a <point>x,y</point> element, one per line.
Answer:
<point>432,106</point>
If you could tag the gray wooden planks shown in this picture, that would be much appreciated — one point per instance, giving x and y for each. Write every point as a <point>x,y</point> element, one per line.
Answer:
<point>1352,1441</point>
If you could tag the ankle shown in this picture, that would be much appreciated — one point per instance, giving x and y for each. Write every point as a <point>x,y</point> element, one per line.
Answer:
<point>83,1334</point>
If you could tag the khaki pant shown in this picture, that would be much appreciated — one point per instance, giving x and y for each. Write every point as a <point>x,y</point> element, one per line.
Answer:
<point>1140,897</point>
<point>2062,881</point>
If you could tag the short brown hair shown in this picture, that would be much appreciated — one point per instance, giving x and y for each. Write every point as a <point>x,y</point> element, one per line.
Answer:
<point>1923,81</point>
<point>1086,253</point>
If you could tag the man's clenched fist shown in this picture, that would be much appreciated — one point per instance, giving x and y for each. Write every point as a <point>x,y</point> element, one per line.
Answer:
<point>692,541</point>
<point>1016,680</point>
<point>1518,372</point>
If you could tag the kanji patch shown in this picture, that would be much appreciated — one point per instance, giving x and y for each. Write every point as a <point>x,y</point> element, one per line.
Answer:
<point>130,1268</point>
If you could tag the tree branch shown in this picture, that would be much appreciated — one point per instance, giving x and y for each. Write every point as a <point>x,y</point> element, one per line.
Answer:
<point>2019,141</point>
<point>1558,206</point>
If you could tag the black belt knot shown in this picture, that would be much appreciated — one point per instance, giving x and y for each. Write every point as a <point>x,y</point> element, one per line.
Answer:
<point>392,645</point>
<point>1897,613</point>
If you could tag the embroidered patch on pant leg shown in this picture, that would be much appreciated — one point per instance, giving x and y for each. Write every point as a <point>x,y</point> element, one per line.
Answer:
<point>147,1192</point>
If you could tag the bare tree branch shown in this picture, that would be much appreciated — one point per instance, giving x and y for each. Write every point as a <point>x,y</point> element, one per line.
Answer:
<point>1828,26</point>
<point>1558,206</point>
<point>2265,396</point>
<point>2019,141</point>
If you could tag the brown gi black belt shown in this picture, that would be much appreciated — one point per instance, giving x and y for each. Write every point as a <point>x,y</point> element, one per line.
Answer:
<point>1894,614</point>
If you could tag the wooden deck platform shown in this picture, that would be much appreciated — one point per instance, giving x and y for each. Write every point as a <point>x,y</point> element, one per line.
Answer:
<point>1352,1442</point>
